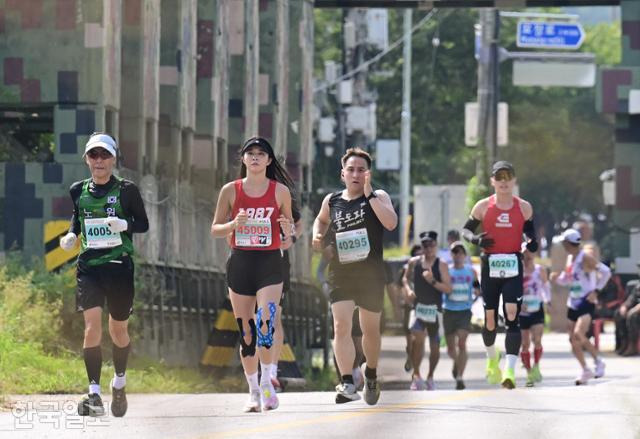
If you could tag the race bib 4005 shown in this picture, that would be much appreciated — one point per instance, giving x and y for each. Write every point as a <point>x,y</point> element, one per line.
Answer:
<point>353,246</point>
<point>503,265</point>
<point>256,232</point>
<point>99,235</point>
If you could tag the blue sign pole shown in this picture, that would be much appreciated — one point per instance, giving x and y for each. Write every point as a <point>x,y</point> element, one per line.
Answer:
<point>550,35</point>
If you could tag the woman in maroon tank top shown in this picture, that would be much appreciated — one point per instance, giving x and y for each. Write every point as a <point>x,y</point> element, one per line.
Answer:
<point>252,211</point>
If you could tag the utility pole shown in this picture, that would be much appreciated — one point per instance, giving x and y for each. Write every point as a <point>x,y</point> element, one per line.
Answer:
<point>405,130</point>
<point>488,90</point>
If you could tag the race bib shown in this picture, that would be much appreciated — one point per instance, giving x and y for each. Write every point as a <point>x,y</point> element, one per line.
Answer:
<point>532,302</point>
<point>427,313</point>
<point>256,232</point>
<point>460,292</point>
<point>503,266</point>
<point>353,246</point>
<point>99,235</point>
<point>575,290</point>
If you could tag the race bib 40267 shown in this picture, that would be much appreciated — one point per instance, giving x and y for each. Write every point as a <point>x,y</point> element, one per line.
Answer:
<point>503,265</point>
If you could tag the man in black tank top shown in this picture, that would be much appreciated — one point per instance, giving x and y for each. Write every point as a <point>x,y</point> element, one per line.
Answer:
<point>357,216</point>
<point>430,278</point>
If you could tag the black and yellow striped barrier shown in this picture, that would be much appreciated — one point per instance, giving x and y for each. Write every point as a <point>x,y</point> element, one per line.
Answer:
<point>54,256</point>
<point>222,346</point>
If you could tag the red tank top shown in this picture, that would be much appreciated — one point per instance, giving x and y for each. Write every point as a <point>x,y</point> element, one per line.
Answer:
<point>262,230</point>
<point>504,226</point>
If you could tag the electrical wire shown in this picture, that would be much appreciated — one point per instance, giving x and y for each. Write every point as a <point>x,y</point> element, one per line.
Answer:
<point>377,58</point>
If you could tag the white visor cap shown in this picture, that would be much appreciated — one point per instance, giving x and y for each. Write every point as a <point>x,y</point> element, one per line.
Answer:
<point>101,141</point>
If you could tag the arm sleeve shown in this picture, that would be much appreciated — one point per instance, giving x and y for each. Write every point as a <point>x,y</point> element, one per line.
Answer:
<point>134,206</point>
<point>74,191</point>
<point>469,228</point>
<point>604,273</point>
<point>530,232</point>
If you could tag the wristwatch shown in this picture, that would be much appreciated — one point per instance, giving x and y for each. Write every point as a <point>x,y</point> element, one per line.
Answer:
<point>372,195</point>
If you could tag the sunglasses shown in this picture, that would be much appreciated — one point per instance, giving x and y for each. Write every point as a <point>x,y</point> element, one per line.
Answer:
<point>503,175</point>
<point>99,153</point>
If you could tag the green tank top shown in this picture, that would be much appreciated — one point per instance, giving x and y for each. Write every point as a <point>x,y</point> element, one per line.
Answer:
<point>96,236</point>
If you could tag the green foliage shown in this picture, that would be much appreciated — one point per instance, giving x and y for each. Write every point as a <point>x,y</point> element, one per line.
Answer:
<point>475,192</point>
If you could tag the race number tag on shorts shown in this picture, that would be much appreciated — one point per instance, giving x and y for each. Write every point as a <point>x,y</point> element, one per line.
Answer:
<point>99,235</point>
<point>460,292</point>
<point>353,246</point>
<point>426,313</point>
<point>575,290</point>
<point>502,265</point>
<point>256,232</point>
<point>532,302</point>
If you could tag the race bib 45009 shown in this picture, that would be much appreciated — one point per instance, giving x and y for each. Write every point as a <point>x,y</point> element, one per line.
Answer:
<point>256,232</point>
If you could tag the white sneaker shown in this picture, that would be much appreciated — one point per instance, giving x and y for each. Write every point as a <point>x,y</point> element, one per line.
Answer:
<point>253,403</point>
<point>600,365</point>
<point>584,377</point>
<point>346,392</point>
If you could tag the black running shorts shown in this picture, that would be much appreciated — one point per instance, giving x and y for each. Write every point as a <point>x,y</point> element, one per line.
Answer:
<point>510,288</point>
<point>366,293</point>
<point>251,270</point>
<point>584,308</point>
<point>455,320</point>
<point>111,282</point>
<point>536,318</point>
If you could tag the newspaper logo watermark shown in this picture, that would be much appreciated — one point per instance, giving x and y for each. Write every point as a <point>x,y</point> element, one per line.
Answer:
<point>58,414</point>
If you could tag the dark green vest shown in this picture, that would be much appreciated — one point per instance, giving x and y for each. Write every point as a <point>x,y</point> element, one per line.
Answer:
<point>91,207</point>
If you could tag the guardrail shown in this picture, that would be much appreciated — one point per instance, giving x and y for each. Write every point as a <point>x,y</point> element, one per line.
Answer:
<point>176,308</point>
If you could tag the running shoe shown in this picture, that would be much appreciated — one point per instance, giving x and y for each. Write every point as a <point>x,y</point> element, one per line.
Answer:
<point>268,397</point>
<point>91,405</point>
<point>509,378</point>
<point>584,377</point>
<point>253,403</point>
<point>531,378</point>
<point>118,401</point>
<point>407,363</point>
<point>371,391</point>
<point>346,392</point>
<point>418,383</point>
<point>430,384</point>
<point>460,384</point>
<point>494,376</point>
<point>600,365</point>
<point>537,376</point>
<point>358,378</point>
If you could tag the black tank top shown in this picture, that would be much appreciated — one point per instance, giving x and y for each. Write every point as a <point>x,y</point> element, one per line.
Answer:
<point>426,293</point>
<point>348,215</point>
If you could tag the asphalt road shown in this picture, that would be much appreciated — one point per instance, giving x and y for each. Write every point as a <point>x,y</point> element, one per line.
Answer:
<point>606,408</point>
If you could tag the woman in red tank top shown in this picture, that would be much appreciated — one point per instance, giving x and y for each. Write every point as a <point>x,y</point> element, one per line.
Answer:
<point>252,211</point>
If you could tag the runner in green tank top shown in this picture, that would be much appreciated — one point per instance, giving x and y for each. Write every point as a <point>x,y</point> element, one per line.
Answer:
<point>107,210</point>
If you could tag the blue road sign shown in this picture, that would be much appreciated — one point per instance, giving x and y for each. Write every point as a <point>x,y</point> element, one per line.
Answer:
<point>550,35</point>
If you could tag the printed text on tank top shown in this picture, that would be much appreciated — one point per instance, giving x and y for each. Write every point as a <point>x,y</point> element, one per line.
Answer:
<point>261,231</point>
<point>532,294</point>
<point>505,227</point>
<point>581,282</point>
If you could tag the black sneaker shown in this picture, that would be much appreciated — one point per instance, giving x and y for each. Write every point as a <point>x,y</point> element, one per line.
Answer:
<point>91,405</point>
<point>371,391</point>
<point>118,401</point>
<point>460,385</point>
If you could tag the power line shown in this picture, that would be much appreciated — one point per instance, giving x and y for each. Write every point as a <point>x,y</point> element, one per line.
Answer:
<point>377,58</point>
